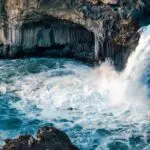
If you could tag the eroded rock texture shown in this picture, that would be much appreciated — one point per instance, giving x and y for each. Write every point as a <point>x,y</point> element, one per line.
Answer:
<point>88,30</point>
<point>48,36</point>
<point>47,138</point>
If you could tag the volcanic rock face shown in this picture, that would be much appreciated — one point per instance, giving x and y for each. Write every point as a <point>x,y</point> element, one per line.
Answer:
<point>47,138</point>
<point>48,36</point>
<point>88,30</point>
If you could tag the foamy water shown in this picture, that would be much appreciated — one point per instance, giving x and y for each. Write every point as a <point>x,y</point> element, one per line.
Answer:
<point>99,108</point>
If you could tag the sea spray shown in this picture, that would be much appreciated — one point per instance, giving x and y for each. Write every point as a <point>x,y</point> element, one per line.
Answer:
<point>96,107</point>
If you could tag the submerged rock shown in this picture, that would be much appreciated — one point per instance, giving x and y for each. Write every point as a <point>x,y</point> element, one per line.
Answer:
<point>47,138</point>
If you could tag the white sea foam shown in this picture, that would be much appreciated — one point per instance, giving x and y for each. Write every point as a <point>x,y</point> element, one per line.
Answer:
<point>98,98</point>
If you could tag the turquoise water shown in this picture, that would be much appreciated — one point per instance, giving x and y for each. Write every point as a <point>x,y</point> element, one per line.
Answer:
<point>88,104</point>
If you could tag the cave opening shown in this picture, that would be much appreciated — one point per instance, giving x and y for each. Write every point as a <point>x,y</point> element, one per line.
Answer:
<point>49,37</point>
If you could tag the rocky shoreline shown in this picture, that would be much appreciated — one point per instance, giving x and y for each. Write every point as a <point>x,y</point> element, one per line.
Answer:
<point>47,138</point>
<point>87,30</point>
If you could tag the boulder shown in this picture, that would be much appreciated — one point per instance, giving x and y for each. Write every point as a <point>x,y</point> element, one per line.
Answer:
<point>48,138</point>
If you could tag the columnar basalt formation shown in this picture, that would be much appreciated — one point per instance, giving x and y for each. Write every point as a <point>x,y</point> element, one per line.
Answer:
<point>68,28</point>
<point>48,36</point>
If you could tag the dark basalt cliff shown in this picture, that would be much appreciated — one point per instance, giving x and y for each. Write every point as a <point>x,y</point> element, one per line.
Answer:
<point>88,30</point>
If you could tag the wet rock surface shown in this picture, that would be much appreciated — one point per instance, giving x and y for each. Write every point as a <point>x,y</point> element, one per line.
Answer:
<point>47,138</point>
<point>107,28</point>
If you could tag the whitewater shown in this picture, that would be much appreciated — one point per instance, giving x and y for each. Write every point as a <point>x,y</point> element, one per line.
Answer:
<point>99,108</point>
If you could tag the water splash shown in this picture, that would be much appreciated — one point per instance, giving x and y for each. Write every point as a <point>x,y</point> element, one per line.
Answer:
<point>99,108</point>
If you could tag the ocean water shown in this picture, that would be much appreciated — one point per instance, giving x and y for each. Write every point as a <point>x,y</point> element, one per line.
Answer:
<point>99,108</point>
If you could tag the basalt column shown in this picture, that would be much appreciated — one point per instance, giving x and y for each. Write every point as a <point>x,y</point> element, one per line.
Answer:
<point>49,37</point>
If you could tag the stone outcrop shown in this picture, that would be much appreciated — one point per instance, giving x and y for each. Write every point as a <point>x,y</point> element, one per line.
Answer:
<point>47,138</point>
<point>88,30</point>
<point>47,36</point>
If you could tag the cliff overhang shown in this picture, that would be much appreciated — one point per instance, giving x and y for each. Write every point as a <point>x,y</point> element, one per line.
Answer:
<point>93,30</point>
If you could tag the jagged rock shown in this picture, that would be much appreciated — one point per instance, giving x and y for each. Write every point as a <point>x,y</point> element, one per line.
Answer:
<point>48,138</point>
<point>27,28</point>
<point>47,36</point>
